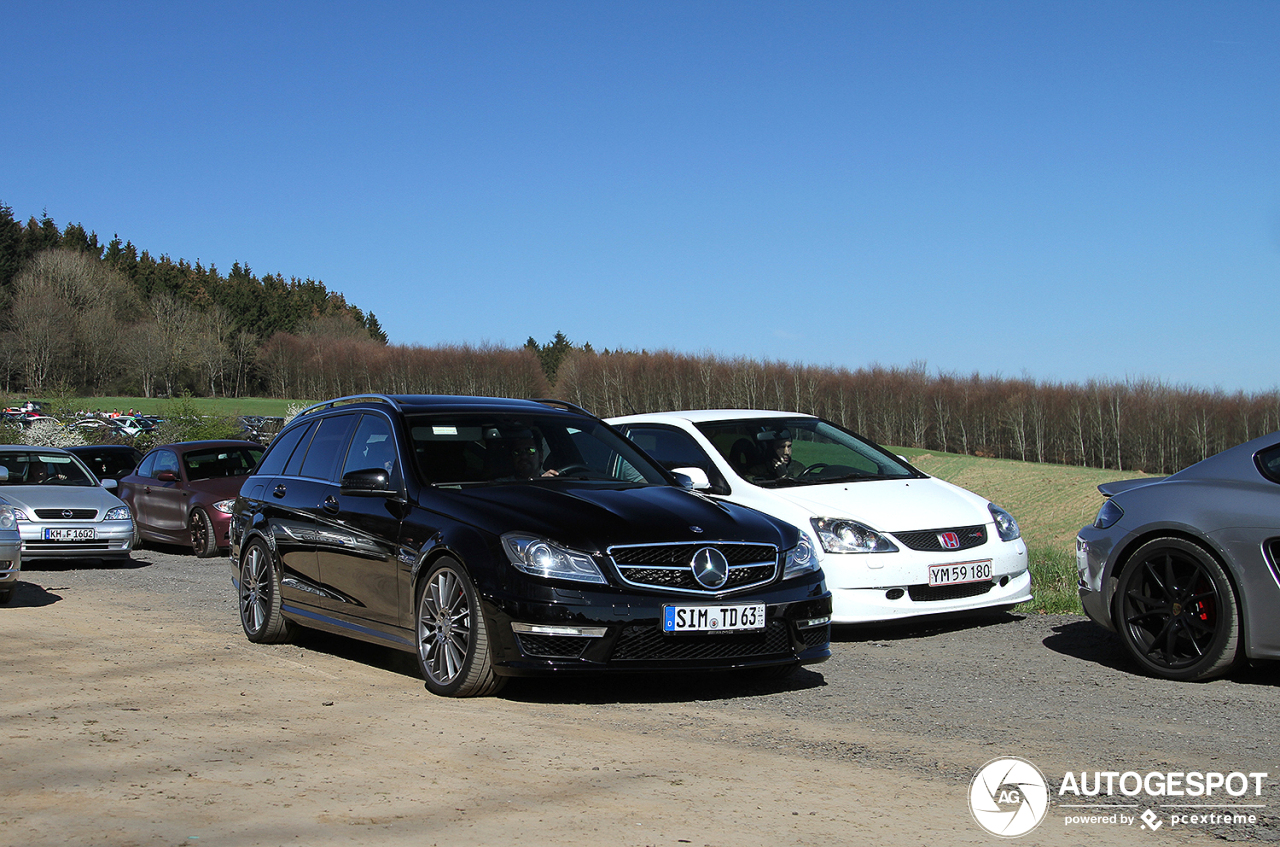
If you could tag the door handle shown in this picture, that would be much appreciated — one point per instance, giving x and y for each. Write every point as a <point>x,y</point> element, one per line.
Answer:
<point>279,490</point>
<point>331,505</point>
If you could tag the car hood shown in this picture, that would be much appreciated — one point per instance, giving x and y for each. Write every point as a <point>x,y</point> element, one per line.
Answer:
<point>31,497</point>
<point>218,488</point>
<point>889,505</point>
<point>593,517</point>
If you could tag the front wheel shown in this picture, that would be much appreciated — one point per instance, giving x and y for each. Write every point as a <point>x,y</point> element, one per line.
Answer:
<point>260,612</point>
<point>203,541</point>
<point>1177,611</point>
<point>454,653</point>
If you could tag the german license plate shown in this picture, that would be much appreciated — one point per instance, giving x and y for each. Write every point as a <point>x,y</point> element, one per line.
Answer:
<point>959,573</point>
<point>712,618</point>
<point>70,534</point>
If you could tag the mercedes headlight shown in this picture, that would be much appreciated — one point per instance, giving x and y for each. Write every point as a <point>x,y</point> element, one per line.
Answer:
<point>837,535</point>
<point>540,557</point>
<point>800,558</point>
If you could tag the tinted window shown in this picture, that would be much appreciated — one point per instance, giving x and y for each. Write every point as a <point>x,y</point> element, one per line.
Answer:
<point>673,449</point>
<point>281,449</point>
<point>221,462</point>
<point>165,461</point>
<point>327,446</point>
<point>515,448</point>
<point>1269,462</point>
<point>373,447</point>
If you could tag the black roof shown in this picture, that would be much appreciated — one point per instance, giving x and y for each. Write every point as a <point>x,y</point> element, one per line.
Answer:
<point>410,404</point>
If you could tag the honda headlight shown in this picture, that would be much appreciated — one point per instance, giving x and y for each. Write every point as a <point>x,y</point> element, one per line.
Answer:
<point>800,558</point>
<point>1005,524</point>
<point>540,557</point>
<point>837,535</point>
<point>119,513</point>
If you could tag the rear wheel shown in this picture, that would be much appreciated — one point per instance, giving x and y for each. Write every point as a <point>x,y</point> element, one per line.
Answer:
<point>1177,611</point>
<point>454,653</point>
<point>203,541</point>
<point>260,613</point>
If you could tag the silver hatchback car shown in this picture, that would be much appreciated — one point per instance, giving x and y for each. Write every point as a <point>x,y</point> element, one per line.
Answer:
<point>10,554</point>
<point>61,509</point>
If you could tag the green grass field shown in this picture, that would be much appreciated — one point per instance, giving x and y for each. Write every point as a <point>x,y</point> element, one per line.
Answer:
<point>1051,503</point>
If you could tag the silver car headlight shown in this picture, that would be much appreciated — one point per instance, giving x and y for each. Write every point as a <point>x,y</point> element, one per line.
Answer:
<point>119,513</point>
<point>1005,524</point>
<point>800,558</point>
<point>540,557</point>
<point>837,535</point>
<point>7,519</point>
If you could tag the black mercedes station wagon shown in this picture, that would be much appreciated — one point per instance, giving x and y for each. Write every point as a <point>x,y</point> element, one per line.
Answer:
<point>497,538</point>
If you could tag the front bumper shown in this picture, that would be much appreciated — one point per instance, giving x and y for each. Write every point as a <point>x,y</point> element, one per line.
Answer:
<point>869,587</point>
<point>10,561</point>
<point>571,631</point>
<point>112,539</point>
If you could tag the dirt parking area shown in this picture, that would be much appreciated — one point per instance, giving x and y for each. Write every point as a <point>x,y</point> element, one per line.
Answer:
<point>135,713</point>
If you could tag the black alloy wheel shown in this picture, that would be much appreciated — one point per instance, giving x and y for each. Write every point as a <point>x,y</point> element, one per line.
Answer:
<point>454,654</point>
<point>259,593</point>
<point>1178,615</point>
<point>203,541</point>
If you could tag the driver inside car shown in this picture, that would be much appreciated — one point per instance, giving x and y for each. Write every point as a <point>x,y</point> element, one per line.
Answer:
<point>777,462</point>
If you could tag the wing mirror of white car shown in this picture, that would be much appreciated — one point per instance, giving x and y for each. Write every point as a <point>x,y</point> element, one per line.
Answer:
<point>695,479</point>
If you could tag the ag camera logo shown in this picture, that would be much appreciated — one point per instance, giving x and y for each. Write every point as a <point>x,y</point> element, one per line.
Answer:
<point>1008,797</point>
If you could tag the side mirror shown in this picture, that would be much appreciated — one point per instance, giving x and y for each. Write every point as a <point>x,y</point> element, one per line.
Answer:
<point>694,479</point>
<point>108,483</point>
<point>167,476</point>
<point>4,474</point>
<point>373,482</point>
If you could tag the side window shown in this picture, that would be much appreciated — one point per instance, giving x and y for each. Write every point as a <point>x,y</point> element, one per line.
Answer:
<point>373,447</point>
<point>148,466</point>
<point>672,449</point>
<point>166,461</point>
<point>281,449</point>
<point>327,447</point>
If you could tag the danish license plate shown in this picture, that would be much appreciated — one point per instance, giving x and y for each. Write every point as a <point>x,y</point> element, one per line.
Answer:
<point>70,534</point>
<point>712,618</point>
<point>959,573</point>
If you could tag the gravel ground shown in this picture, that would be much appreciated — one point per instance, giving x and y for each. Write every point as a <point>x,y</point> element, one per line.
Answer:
<point>898,715</point>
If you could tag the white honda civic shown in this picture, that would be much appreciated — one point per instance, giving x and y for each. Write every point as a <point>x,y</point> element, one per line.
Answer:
<point>893,542</point>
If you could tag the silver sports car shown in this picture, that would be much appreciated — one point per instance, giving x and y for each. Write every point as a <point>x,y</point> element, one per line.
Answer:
<point>1186,568</point>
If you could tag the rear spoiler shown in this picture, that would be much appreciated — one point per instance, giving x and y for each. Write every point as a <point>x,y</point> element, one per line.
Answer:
<point>1110,489</point>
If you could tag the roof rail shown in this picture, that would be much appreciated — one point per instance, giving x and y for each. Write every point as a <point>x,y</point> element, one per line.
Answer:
<point>354,398</point>
<point>562,404</point>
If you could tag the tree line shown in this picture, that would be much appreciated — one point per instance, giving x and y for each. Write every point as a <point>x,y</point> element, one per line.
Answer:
<point>96,321</point>
<point>84,317</point>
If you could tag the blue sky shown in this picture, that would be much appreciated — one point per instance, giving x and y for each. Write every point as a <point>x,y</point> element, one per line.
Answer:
<point>1062,191</point>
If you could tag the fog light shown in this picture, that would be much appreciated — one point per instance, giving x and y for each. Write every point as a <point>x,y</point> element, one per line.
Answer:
<point>894,594</point>
<point>548,629</point>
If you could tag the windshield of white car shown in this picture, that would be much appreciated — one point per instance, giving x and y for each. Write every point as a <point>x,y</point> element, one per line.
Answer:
<point>504,449</point>
<point>39,468</point>
<point>783,452</point>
